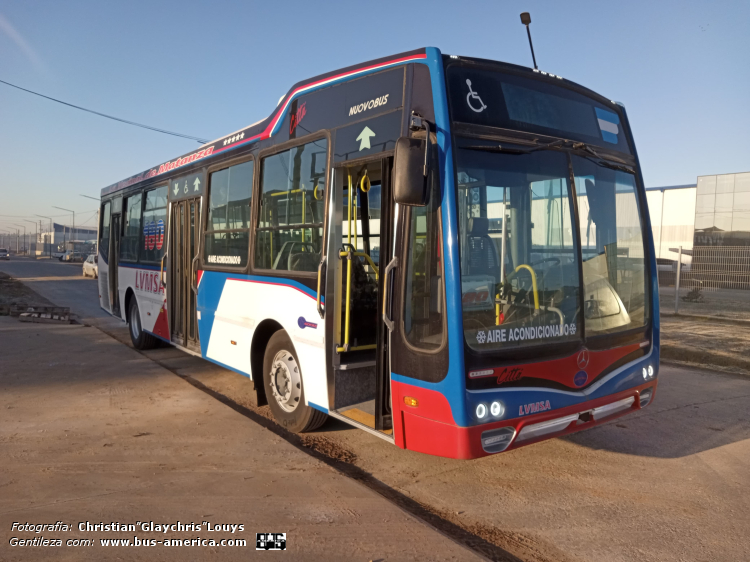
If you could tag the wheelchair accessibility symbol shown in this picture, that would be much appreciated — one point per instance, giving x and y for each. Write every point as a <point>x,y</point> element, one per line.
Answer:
<point>473,95</point>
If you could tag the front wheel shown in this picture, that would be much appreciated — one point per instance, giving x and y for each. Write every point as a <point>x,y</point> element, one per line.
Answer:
<point>282,379</point>
<point>140,339</point>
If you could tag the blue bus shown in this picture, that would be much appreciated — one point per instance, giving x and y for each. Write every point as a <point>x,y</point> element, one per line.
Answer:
<point>452,254</point>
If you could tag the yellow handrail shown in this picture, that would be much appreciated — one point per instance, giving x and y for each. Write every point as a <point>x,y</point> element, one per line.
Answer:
<point>344,253</point>
<point>280,193</point>
<point>497,309</point>
<point>302,228</point>
<point>533,283</point>
<point>353,253</point>
<point>362,183</point>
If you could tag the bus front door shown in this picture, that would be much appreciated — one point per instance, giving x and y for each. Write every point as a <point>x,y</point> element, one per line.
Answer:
<point>184,244</point>
<point>360,245</point>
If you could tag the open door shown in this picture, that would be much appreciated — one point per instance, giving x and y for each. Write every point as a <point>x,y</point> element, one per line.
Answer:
<point>360,244</point>
<point>114,264</point>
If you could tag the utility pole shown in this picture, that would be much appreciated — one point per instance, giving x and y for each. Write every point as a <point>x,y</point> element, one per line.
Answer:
<point>51,233</point>
<point>36,238</point>
<point>97,220</point>
<point>24,237</point>
<point>74,218</point>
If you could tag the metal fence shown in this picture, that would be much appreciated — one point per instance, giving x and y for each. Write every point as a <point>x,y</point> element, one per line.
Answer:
<point>706,281</point>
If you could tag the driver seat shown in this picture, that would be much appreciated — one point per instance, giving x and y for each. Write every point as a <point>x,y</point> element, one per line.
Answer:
<point>483,258</point>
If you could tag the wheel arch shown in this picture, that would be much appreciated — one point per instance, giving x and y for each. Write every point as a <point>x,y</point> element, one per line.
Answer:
<point>262,334</point>
<point>130,295</point>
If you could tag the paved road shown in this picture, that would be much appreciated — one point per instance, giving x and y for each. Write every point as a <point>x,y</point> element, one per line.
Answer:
<point>92,431</point>
<point>666,484</point>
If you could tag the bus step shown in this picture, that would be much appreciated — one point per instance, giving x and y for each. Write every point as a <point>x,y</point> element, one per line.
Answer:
<point>359,365</point>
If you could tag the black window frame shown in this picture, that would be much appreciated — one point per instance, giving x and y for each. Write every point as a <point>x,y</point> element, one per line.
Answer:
<point>206,201</point>
<point>277,149</point>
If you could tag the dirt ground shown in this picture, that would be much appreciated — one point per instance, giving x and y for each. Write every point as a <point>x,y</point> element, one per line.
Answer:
<point>706,342</point>
<point>13,292</point>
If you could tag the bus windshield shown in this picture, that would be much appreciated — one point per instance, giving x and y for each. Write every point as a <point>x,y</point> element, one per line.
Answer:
<point>520,255</point>
<point>519,268</point>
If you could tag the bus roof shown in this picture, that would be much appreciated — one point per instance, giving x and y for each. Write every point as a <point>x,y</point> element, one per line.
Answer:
<point>270,125</point>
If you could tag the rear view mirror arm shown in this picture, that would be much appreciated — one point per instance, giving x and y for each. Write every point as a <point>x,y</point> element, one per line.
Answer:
<point>418,122</point>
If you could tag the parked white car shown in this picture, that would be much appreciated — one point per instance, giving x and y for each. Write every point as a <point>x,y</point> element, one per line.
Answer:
<point>91,266</point>
<point>58,254</point>
<point>4,254</point>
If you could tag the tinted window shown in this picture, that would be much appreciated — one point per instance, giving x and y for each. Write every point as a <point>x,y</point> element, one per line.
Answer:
<point>154,225</point>
<point>290,225</point>
<point>132,229</point>
<point>228,228</point>
<point>423,300</point>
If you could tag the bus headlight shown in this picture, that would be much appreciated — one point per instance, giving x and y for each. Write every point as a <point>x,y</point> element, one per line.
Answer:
<point>497,409</point>
<point>645,374</point>
<point>481,411</point>
<point>650,371</point>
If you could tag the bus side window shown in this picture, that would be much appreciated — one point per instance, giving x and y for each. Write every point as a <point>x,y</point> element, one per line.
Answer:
<point>154,225</point>
<point>131,229</point>
<point>289,234</point>
<point>228,228</point>
<point>104,232</point>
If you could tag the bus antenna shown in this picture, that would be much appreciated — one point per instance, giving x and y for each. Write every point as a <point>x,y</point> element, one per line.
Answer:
<point>526,20</point>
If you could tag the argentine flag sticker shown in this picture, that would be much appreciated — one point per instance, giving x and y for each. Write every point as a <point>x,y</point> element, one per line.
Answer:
<point>608,124</point>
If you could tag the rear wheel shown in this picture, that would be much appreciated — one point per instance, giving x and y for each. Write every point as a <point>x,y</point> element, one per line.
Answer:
<point>282,378</point>
<point>140,339</point>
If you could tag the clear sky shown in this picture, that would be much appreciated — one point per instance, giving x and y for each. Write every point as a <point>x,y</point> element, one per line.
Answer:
<point>682,69</point>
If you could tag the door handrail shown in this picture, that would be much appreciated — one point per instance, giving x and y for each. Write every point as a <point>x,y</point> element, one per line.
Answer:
<point>318,303</point>
<point>193,284</point>
<point>393,264</point>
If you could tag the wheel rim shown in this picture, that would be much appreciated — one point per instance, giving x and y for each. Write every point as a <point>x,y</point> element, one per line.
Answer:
<point>286,384</point>
<point>135,323</point>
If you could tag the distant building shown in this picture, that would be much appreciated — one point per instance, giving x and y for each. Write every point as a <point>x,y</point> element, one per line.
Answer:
<point>62,233</point>
<point>672,210</point>
<point>722,210</point>
<point>715,211</point>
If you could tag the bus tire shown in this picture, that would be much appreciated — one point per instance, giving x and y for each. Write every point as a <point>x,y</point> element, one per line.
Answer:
<point>282,378</point>
<point>141,340</point>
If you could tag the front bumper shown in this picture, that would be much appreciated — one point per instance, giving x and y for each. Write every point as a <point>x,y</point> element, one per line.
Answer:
<point>449,440</point>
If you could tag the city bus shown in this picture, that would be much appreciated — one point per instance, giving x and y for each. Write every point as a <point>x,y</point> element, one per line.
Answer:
<point>452,254</point>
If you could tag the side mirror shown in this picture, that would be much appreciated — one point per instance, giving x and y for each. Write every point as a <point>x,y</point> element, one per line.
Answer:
<point>410,172</point>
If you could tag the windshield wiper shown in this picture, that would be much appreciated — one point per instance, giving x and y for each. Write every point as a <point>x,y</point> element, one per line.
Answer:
<point>600,160</point>
<point>592,155</point>
<point>514,149</point>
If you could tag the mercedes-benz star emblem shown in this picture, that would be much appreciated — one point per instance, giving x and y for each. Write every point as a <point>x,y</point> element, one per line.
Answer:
<point>583,359</point>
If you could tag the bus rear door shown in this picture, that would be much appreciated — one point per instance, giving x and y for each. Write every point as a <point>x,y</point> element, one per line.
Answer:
<point>184,244</point>
<point>114,256</point>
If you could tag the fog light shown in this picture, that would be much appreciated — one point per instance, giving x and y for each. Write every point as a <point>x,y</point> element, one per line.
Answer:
<point>645,374</point>
<point>497,409</point>
<point>650,371</point>
<point>481,411</point>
